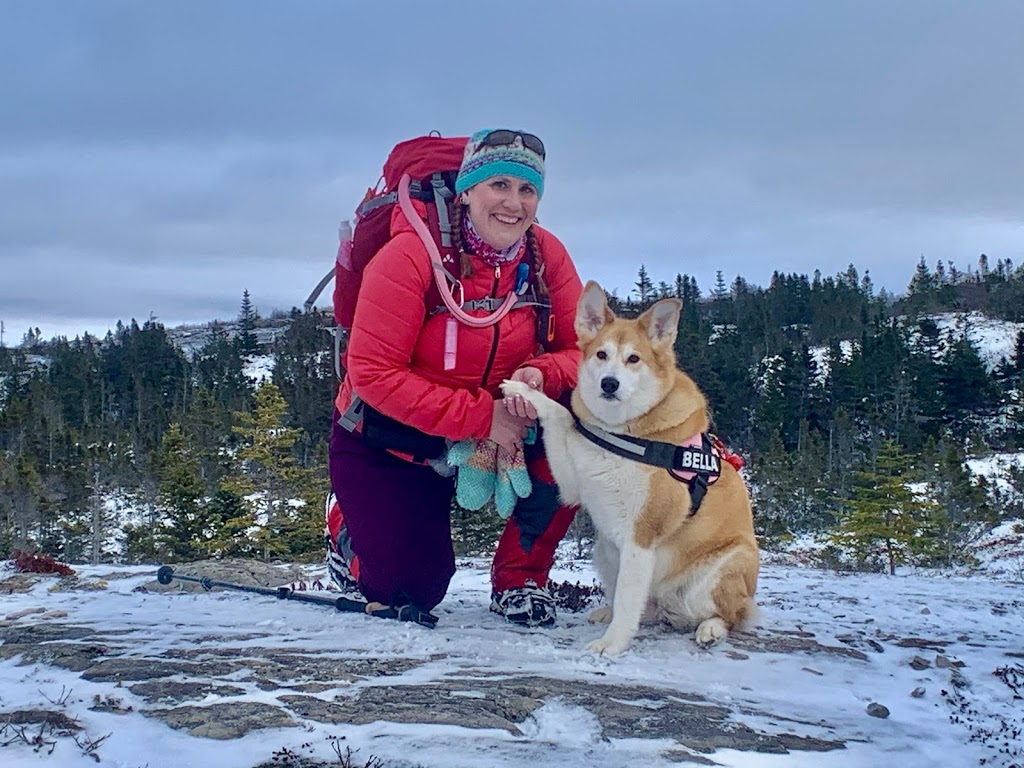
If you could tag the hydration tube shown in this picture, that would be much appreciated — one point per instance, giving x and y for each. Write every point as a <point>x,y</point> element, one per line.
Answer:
<point>440,276</point>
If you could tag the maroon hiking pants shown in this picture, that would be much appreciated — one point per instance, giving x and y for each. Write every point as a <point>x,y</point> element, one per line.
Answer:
<point>398,516</point>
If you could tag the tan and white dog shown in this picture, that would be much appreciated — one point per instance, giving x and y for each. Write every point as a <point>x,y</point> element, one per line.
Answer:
<point>658,562</point>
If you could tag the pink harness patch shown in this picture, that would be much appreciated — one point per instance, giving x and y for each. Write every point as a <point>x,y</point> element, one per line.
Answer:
<point>710,465</point>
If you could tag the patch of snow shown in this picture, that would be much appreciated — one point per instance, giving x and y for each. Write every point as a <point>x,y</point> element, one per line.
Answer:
<point>996,468</point>
<point>258,368</point>
<point>720,329</point>
<point>823,359</point>
<point>561,723</point>
<point>994,339</point>
<point>1000,551</point>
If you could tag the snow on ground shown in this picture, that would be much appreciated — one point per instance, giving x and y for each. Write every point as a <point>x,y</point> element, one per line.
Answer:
<point>1000,551</point>
<point>996,469</point>
<point>993,338</point>
<point>976,621</point>
<point>823,361</point>
<point>258,368</point>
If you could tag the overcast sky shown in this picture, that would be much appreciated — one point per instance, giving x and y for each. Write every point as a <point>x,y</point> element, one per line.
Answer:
<point>157,158</point>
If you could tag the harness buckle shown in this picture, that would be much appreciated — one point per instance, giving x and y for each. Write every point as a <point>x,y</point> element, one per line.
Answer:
<point>698,489</point>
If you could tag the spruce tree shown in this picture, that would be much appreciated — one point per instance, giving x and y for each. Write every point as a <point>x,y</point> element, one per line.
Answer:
<point>963,500</point>
<point>923,290</point>
<point>270,478</point>
<point>1012,407</point>
<point>885,516</point>
<point>968,393</point>
<point>230,523</point>
<point>644,289</point>
<point>771,491</point>
<point>721,291</point>
<point>22,489</point>
<point>247,318</point>
<point>100,523</point>
<point>811,504</point>
<point>182,495</point>
<point>6,511</point>
<point>305,375</point>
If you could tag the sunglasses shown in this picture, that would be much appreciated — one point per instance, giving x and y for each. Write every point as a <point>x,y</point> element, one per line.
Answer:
<point>507,138</point>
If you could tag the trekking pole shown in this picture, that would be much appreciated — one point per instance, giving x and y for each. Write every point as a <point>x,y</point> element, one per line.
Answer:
<point>344,604</point>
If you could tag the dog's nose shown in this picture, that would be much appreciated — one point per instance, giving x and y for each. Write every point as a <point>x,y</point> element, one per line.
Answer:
<point>609,385</point>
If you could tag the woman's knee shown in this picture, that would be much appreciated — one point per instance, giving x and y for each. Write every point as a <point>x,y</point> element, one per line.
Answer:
<point>393,578</point>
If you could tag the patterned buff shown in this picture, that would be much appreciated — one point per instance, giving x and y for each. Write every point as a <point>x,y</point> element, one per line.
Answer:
<point>486,253</point>
<point>480,163</point>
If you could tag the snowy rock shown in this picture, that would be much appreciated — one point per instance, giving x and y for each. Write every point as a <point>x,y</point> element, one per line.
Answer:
<point>878,710</point>
<point>922,642</point>
<point>27,612</point>
<point>225,720</point>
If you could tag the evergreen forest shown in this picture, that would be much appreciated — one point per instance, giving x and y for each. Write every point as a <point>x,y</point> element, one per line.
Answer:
<point>855,410</point>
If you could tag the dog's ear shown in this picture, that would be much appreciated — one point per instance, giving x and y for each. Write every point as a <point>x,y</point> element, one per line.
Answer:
<point>661,322</point>
<point>592,313</point>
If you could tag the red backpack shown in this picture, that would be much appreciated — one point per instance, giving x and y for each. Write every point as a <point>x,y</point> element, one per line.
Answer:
<point>432,163</point>
<point>422,169</point>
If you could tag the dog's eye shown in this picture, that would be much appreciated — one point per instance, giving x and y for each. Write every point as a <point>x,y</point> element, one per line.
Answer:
<point>601,355</point>
<point>633,359</point>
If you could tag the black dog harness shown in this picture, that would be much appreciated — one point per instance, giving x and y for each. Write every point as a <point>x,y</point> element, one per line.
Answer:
<point>696,462</point>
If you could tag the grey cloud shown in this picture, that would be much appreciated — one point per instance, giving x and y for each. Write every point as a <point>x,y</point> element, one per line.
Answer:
<point>173,154</point>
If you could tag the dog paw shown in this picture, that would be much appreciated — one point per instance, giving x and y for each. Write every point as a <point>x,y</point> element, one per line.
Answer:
<point>602,615</point>
<point>511,388</point>
<point>608,646</point>
<point>710,632</point>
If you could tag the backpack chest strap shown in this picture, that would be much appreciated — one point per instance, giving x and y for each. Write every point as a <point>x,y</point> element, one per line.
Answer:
<point>492,303</point>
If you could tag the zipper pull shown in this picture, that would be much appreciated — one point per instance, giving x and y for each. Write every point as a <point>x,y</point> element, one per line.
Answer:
<point>497,272</point>
<point>451,342</point>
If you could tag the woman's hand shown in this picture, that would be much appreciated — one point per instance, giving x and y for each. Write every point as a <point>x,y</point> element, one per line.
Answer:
<point>507,429</point>
<point>516,405</point>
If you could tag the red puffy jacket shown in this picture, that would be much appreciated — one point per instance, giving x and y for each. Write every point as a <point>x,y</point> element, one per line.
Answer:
<point>395,356</point>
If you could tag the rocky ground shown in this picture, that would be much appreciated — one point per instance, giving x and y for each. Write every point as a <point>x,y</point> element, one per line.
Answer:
<point>227,666</point>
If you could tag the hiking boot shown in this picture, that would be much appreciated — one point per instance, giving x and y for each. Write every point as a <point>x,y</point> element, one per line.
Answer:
<point>338,570</point>
<point>527,606</point>
<point>342,563</point>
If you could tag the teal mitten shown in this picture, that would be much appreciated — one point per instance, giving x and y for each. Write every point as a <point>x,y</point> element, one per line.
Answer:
<point>476,461</point>
<point>513,481</point>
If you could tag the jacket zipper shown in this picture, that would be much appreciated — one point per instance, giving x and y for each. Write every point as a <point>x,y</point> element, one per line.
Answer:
<point>494,342</point>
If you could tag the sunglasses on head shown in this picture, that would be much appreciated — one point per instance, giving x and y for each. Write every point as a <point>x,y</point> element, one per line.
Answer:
<point>507,138</point>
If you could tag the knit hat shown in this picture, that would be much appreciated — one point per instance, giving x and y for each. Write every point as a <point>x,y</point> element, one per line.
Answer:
<point>481,162</point>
